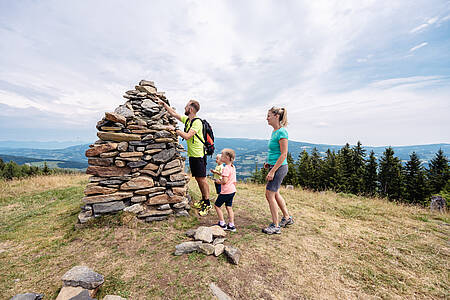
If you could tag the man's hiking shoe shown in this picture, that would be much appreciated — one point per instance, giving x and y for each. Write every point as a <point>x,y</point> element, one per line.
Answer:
<point>272,229</point>
<point>230,228</point>
<point>224,226</point>
<point>198,204</point>
<point>285,222</point>
<point>204,209</point>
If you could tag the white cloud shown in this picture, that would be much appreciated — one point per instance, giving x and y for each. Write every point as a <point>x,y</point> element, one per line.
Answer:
<point>418,46</point>
<point>237,58</point>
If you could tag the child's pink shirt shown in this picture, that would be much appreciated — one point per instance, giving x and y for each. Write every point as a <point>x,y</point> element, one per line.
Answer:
<point>230,172</point>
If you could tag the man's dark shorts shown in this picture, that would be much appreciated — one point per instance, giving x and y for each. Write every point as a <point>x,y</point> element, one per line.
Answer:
<point>224,198</point>
<point>198,166</point>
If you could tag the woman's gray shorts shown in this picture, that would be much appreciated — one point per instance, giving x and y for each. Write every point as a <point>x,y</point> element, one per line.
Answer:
<point>275,183</point>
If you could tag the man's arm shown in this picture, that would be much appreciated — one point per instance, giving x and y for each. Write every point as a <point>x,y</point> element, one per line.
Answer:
<point>170,110</point>
<point>185,135</point>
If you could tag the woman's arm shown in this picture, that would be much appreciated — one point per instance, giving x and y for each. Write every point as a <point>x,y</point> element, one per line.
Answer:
<point>284,150</point>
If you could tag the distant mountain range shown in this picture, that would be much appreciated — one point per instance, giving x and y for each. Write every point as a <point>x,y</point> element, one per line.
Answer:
<point>249,152</point>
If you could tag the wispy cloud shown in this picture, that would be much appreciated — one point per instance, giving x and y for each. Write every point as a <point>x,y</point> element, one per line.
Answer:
<point>418,47</point>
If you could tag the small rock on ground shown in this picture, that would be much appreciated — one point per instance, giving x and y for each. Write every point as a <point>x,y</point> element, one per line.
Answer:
<point>234,254</point>
<point>204,234</point>
<point>221,295</point>
<point>82,276</point>
<point>207,249</point>
<point>113,297</point>
<point>28,296</point>
<point>218,249</point>
<point>71,292</point>
<point>187,247</point>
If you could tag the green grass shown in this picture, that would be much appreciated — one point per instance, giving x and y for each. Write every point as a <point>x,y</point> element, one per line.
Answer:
<point>341,246</point>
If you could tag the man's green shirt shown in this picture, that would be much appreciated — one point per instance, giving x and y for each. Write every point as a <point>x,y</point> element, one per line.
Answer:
<point>194,145</point>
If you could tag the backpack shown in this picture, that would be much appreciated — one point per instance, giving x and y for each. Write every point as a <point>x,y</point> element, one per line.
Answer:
<point>208,135</point>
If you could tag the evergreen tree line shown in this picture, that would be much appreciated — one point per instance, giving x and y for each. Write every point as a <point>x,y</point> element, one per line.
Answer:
<point>12,170</point>
<point>351,171</point>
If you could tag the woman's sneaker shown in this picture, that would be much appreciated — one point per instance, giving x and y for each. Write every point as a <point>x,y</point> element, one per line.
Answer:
<point>272,229</point>
<point>285,222</point>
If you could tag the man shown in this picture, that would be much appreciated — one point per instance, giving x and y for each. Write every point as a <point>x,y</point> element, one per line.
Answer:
<point>196,151</point>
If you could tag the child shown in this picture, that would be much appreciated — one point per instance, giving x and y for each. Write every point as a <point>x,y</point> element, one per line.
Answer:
<point>228,189</point>
<point>217,173</point>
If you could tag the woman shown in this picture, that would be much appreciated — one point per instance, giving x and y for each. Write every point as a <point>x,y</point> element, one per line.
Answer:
<point>278,168</point>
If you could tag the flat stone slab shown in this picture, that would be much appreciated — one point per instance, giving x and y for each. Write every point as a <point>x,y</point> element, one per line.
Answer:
<point>218,249</point>
<point>187,247</point>
<point>109,207</point>
<point>97,150</point>
<point>28,296</point>
<point>204,234</point>
<point>221,295</point>
<point>82,276</point>
<point>118,137</point>
<point>107,198</point>
<point>113,297</point>
<point>218,231</point>
<point>107,171</point>
<point>138,183</point>
<point>71,292</point>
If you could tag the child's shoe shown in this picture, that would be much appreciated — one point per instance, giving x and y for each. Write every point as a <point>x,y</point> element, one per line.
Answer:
<point>230,228</point>
<point>224,226</point>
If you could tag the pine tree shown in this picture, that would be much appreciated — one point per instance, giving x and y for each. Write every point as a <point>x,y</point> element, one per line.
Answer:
<point>329,174</point>
<point>370,175</point>
<point>345,168</point>
<point>390,175</point>
<point>303,169</point>
<point>46,169</point>
<point>291,176</point>
<point>315,170</point>
<point>438,172</point>
<point>11,170</point>
<point>356,182</point>
<point>415,184</point>
<point>2,165</point>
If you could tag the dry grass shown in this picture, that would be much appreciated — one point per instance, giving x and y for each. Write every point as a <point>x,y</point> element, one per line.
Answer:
<point>341,246</point>
<point>18,187</point>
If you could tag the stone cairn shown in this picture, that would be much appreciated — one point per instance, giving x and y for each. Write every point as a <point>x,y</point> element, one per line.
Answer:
<point>136,163</point>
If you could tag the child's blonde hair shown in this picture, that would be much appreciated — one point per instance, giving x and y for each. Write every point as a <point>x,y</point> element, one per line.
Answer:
<point>282,113</point>
<point>230,153</point>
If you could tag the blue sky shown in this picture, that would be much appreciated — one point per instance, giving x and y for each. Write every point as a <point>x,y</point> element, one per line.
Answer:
<point>374,71</point>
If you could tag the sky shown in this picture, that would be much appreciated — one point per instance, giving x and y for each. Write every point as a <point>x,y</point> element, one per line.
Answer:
<point>373,71</point>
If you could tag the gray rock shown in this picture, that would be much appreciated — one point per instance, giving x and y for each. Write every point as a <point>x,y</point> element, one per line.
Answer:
<point>220,295</point>
<point>135,208</point>
<point>110,182</point>
<point>122,147</point>
<point>176,183</point>
<point>163,207</point>
<point>218,249</point>
<point>140,149</point>
<point>181,204</point>
<point>203,234</point>
<point>187,247</point>
<point>218,231</point>
<point>163,134</point>
<point>113,297</point>
<point>156,146</point>
<point>206,249</point>
<point>164,156</point>
<point>28,296</point>
<point>148,137</point>
<point>82,276</point>
<point>137,164</point>
<point>182,213</point>
<point>138,143</point>
<point>85,216</point>
<point>234,254</point>
<point>163,181</point>
<point>190,232</point>
<point>108,207</point>
<point>124,111</point>
<point>137,199</point>
<point>147,82</point>
<point>219,240</point>
<point>72,293</point>
<point>149,104</point>
<point>157,218</point>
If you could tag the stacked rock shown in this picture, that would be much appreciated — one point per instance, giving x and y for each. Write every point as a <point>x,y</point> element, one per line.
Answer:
<point>136,163</point>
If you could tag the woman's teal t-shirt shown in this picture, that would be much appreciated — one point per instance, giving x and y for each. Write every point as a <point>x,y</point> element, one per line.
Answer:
<point>274,146</point>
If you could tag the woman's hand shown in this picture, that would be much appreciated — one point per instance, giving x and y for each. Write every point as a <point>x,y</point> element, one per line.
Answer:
<point>270,175</point>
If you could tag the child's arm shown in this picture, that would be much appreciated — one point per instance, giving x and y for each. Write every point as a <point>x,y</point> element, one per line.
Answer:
<point>224,180</point>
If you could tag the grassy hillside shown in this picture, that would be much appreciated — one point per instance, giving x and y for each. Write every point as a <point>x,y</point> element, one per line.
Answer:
<point>341,246</point>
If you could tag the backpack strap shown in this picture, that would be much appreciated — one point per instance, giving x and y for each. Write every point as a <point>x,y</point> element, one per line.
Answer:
<point>186,129</point>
